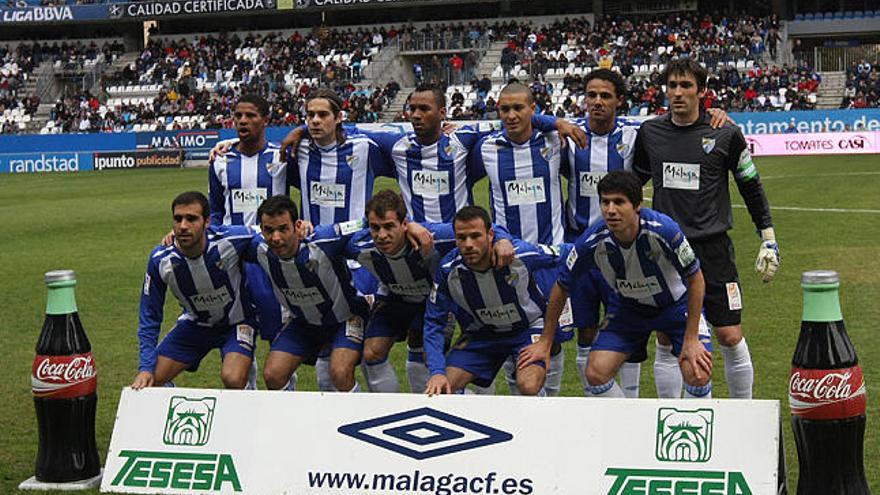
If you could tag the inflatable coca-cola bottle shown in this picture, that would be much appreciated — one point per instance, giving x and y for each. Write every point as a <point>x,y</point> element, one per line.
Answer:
<point>826,393</point>
<point>63,384</point>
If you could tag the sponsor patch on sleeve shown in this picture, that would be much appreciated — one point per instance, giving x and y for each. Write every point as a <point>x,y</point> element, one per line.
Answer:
<point>349,227</point>
<point>147,281</point>
<point>433,295</point>
<point>571,259</point>
<point>745,168</point>
<point>685,254</point>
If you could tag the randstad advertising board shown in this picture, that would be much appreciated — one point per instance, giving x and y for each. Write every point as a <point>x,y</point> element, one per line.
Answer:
<point>169,440</point>
<point>28,163</point>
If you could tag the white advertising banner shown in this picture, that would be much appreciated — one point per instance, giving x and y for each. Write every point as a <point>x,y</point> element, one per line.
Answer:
<point>173,440</point>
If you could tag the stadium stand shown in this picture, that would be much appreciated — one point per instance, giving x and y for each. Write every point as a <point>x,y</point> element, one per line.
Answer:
<point>862,88</point>
<point>554,58</point>
<point>192,82</point>
<point>19,61</point>
<point>182,81</point>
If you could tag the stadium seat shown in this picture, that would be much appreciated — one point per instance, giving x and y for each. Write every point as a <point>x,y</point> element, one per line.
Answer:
<point>799,17</point>
<point>858,14</point>
<point>809,16</point>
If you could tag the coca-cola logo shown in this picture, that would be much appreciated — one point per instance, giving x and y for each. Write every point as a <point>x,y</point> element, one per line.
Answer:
<point>830,387</point>
<point>80,368</point>
<point>64,376</point>
<point>827,394</point>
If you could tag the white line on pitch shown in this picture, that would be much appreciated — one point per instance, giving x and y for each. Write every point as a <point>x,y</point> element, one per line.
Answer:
<point>806,176</point>
<point>818,210</point>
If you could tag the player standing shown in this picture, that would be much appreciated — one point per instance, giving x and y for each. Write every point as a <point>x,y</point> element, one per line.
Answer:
<point>239,180</point>
<point>688,163</point>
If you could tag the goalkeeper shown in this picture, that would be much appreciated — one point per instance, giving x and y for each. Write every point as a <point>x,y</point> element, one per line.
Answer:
<point>688,162</point>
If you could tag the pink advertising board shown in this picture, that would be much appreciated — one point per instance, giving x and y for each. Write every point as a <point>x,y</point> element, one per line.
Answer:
<point>826,143</point>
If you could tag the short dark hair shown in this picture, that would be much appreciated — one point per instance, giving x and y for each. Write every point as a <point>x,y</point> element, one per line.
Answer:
<point>192,197</point>
<point>276,205</point>
<point>257,101</point>
<point>517,88</point>
<point>608,75</point>
<point>624,182</point>
<point>686,66</point>
<point>439,95</point>
<point>384,201</point>
<point>472,212</point>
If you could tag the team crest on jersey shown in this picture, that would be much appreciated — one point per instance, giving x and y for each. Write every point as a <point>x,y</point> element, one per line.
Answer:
<point>546,151</point>
<point>449,149</point>
<point>621,148</point>
<point>350,159</point>
<point>511,278</point>
<point>219,264</point>
<point>312,265</point>
<point>708,145</point>
<point>273,167</point>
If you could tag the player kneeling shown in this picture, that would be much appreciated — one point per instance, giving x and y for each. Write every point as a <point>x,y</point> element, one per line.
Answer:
<point>657,283</point>
<point>499,310</point>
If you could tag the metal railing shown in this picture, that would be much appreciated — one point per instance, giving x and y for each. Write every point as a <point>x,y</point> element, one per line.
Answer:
<point>421,43</point>
<point>838,59</point>
<point>447,76</point>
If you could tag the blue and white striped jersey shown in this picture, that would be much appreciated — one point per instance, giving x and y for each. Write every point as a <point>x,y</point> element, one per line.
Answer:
<point>407,276</point>
<point>336,182</point>
<point>586,167</point>
<point>524,184</point>
<point>436,179</point>
<point>209,288</point>
<point>493,302</point>
<point>652,272</point>
<point>238,183</point>
<point>315,285</point>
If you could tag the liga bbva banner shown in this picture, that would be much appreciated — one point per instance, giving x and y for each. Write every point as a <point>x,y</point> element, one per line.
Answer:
<point>174,440</point>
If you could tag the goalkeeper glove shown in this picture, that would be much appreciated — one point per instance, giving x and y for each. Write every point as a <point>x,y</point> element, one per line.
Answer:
<point>768,255</point>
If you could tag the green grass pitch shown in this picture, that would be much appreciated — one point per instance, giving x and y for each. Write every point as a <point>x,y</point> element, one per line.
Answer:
<point>103,225</point>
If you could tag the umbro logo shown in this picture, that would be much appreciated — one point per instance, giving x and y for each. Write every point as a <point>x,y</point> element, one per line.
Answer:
<point>424,433</point>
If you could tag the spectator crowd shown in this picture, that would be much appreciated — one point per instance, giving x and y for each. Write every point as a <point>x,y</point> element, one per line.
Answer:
<point>862,87</point>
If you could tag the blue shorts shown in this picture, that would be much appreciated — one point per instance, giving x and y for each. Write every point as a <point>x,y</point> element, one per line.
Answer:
<point>268,311</point>
<point>189,343</point>
<point>546,279</point>
<point>627,330</point>
<point>395,319</point>
<point>483,355</point>
<point>308,341</point>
